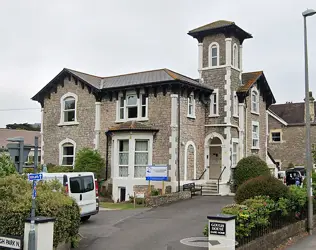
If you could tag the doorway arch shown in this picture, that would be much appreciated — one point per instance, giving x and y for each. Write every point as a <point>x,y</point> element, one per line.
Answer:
<point>214,143</point>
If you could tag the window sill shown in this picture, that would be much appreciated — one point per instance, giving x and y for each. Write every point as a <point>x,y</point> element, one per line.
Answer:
<point>236,116</point>
<point>255,148</point>
<point>276,142</point>
<point>67,124</point>
<point>254,113</point>
<point>214,116</point>
<point>191,116</point>
<point>144,119</point>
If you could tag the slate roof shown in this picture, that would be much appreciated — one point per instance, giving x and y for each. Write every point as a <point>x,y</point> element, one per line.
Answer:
<point>137,78</point>
<point>248,79</point>
<point>220,26</point>
<point>27,135</point>
<point>98,83</point>
<point>292,113</point>
<point>132,126</point>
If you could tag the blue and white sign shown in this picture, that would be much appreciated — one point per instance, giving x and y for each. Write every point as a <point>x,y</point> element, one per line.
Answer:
<point>35,177</point>
<point>157,173</point>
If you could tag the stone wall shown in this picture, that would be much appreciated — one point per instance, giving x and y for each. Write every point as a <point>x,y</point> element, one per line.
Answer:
<point>261,118</point>
<point>291,149</point>
<point>82,133</point>
<point>155,201</point>
<point>276,238</point>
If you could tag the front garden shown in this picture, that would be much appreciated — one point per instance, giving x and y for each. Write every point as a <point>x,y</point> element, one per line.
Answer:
<point>263,203</point>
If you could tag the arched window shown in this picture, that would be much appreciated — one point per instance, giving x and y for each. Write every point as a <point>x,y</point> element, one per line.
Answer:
<point>68,114</point>
<point>214,55</point>
<point>67,151</point>
<point>254,101</point>
<point>235,56</point>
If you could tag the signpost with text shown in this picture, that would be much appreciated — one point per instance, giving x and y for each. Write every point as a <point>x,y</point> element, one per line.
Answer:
<point>157,173</point>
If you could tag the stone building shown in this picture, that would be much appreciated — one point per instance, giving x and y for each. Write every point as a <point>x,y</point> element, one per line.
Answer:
<point>135,120</point>
<point>286,141</point>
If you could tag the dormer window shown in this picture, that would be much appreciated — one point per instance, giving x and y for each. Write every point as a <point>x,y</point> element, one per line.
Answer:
<point>254,101</point>
<point>68,109</point>
<point>235,56</point>
<point>214,55</point>
<point>132,108</point>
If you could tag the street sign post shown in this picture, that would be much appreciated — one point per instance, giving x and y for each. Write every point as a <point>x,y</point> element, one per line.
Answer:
<point>35,177</point>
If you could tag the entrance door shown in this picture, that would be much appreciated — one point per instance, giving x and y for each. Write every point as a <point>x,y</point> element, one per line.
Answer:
<point>215,162</point>
<point>122,194</point>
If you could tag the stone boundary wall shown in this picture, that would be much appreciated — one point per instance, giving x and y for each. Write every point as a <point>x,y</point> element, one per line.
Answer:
<point>276,238</point>
<point>155,201</point>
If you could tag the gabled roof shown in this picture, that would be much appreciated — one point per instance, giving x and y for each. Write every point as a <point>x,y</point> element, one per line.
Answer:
<point>97,83</point>
<point>275,116</point>
<point>29,136</point>
<point>132,126</point>
<point>220,26</point>
<point>292,113</point>
<point>249,79</point>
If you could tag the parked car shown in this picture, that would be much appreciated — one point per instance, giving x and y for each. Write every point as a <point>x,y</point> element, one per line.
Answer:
<point>281,175</point>
<point>290,176</point>
<point>83,187</point>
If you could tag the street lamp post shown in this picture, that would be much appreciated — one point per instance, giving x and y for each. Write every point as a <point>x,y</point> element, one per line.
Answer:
<point>309,165</point>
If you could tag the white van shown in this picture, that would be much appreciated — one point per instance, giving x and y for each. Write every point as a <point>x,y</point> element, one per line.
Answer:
<point>83,187</point>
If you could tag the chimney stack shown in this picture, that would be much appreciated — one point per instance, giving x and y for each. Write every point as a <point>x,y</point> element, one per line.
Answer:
<point>311,107</point>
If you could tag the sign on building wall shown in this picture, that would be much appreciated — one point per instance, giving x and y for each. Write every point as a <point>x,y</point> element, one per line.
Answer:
<point>10,242</point>
<point>157,173</point>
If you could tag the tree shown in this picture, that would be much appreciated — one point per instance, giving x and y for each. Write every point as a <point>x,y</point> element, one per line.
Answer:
<point>89,160</point>
<point>6,166</point>
<point>24,126</point>
<point>250,167</point>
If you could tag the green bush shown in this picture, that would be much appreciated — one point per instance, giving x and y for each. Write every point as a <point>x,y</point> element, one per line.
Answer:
<point>262,186</point>
<point>297,197</point>
<point>15,206</point>
<point>89,160</point>
<point>313,183</point>
<point>248,168</point>
<point>6,165</point>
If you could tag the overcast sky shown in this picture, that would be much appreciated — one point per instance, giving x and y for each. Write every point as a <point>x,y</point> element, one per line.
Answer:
<point>39,38</point>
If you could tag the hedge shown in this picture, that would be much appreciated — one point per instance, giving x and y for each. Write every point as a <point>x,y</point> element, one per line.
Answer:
<point>262,185</point>
<point>249,167</point>
<point>15,206</point>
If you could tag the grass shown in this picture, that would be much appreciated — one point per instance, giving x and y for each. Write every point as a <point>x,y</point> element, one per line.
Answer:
<point>120,206</point>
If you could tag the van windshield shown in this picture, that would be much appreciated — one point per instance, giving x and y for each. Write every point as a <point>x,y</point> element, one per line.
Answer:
<point>81,184</point>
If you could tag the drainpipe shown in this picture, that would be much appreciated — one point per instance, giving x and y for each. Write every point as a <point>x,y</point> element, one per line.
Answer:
<point>179,138</point>
<point>107,155</point>
<point>246,129</point>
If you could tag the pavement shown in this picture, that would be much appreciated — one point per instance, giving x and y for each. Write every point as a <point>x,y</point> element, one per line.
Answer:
<point>305,243</point>
<point>159,228</point>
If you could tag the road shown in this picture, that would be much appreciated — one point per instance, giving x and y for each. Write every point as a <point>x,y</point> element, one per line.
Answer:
<point>159,228</point>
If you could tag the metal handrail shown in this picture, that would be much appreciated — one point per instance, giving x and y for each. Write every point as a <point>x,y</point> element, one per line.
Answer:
<point>220,176</point>
<point>201,175</point>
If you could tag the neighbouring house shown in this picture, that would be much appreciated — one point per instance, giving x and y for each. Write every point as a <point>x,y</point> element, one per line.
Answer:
<point>29,138</point>
<point>160,116</point>
<point>287,132</point>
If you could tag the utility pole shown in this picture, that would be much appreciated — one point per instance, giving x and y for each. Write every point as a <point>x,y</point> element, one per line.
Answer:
<point>309,163</point>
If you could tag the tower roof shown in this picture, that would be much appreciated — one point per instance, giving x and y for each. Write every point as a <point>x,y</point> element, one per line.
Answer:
<point>221,26</point>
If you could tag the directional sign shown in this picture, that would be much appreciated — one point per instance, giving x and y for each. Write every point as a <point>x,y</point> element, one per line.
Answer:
<point>35,177</point>
<point>10,242</point>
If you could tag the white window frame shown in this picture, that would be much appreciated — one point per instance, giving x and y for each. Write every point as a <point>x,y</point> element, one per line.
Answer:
<point>191,102</point>
<point>137,165</point>
<point>131,158</point>
<point>255,123</point>
<point>210,57</point>
<point>235,56</point>
<point>256,92</point>
<point>235,105</point>
<point>236,154</point>
<point>67,141</point>
<point>125,112</point>
<point>216,104</point>
<point>62,110</point>
<point>128,152</point>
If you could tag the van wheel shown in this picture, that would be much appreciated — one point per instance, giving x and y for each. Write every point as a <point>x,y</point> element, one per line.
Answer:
<point>85,218</point>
